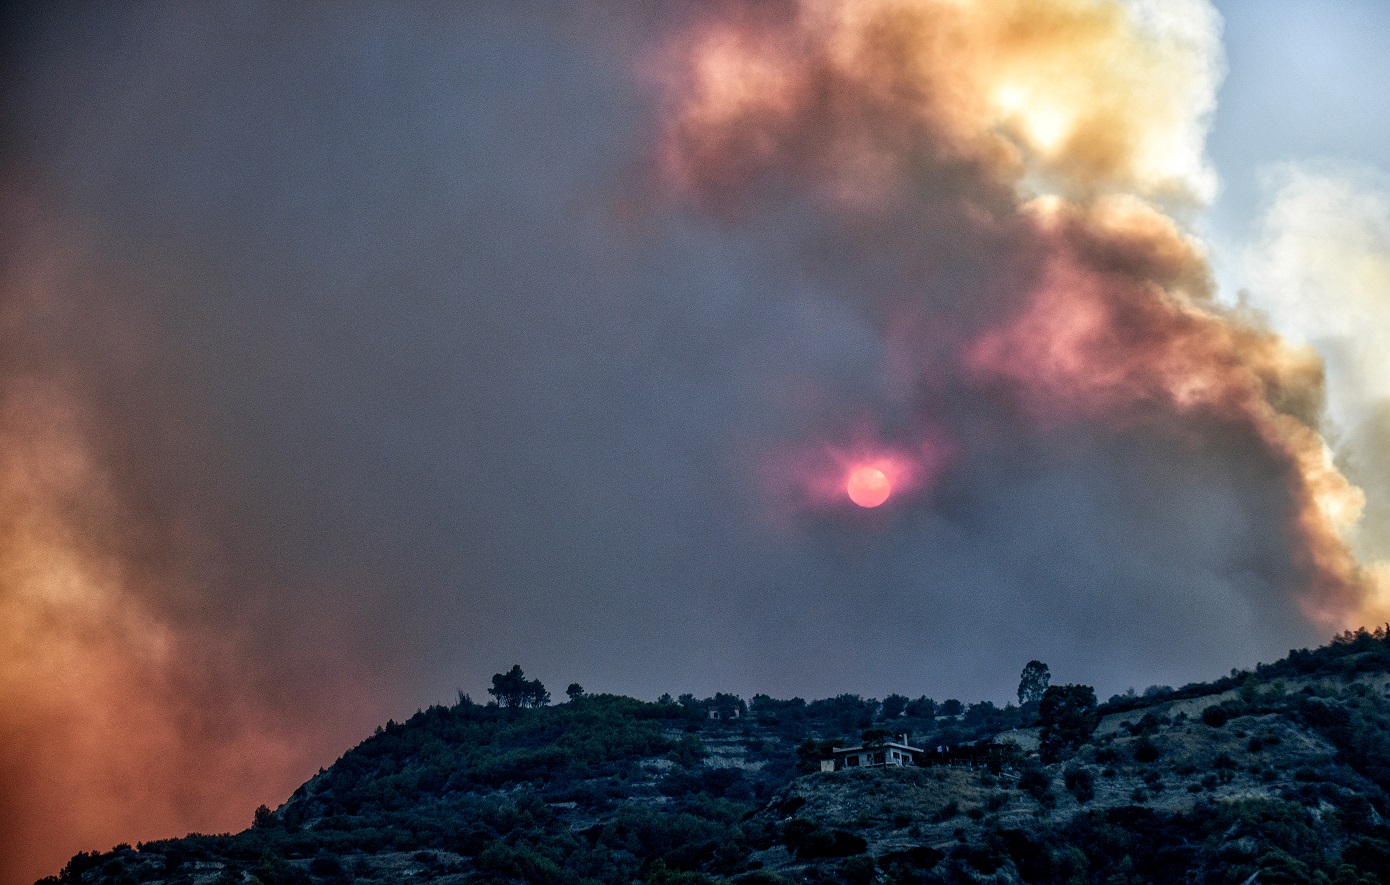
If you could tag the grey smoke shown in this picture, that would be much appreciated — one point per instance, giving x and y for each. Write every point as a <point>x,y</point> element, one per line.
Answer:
<point>382,303</point>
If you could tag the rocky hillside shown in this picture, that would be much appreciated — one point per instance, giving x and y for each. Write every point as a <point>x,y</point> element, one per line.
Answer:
<point>1279,775</point>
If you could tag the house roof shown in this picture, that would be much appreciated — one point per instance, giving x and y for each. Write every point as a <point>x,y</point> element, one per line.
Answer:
<point>883,746</point>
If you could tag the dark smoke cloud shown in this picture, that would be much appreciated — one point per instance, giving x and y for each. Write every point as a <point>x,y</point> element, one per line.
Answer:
<point>353,354</point>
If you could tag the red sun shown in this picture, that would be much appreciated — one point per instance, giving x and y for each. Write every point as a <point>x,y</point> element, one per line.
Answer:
<point>868,487</point>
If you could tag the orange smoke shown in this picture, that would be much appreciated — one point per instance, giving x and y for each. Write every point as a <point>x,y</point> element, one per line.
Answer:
<point>1121,331</point>
<point>124,714</point>
<point>117,724</point>
<point>1078,96</point>
<point>1008,164</point>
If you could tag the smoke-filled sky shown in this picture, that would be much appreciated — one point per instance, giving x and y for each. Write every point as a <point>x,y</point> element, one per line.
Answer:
<point>353,353</point>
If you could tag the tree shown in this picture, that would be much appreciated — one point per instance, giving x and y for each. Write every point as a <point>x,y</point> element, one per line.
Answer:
<point>536,695</point>
<point>574,691</point>
<point>951,707</point>
<point>1033,682</point>
<point>924,707</point>
<point>872,736</point>
<point>844,713</point>
<point>728,706</point>
<point>984,715</point>
<point>513,689</point>
<point>893,706</point>
<point>1068,713</point>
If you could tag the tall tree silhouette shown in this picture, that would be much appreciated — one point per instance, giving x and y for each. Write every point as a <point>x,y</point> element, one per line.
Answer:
<point>513,689</point>
<point>1033,682</point>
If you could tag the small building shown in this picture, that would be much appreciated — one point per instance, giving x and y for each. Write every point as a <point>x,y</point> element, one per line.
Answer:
<point>725,706</point>
<point>895,752</point>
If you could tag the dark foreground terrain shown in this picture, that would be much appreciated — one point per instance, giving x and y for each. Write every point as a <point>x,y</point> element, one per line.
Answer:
<point>1278,775</point>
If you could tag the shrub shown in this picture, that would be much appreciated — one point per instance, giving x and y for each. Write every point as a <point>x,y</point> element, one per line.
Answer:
<point>947,811</point>
<point>660,874</point>
<point>1081,783</point>
<point>985,859</point>
<point>1369,854</point>
<point>1034,782</point>
<point>1358,815</point>
<point>761,877</point>
<point>689,751</point>
<point>230,875</point>
<point>278,871</point>
<point>1215,716</point>
<point>519,863</point>
<point>823,843</point>
<point>1145,750</point>
<point>858,870</point>
<point>328,865</point>
<point>921,857</point>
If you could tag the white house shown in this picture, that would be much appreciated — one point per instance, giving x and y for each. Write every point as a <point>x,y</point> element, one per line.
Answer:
<point>897,752</point>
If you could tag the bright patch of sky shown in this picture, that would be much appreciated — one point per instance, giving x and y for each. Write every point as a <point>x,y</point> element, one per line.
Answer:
<point>1306,81</point>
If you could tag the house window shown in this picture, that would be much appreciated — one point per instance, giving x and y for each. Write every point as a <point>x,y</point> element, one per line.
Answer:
<point>852,761</point>
<point>879,758</point>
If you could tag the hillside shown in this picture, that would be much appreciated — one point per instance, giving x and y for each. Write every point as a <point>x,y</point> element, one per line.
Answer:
<point>1278,775</point>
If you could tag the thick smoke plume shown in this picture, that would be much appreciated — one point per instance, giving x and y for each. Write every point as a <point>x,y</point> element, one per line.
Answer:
<point>999,169</point>
<point>349,355</point>
<point>1320,267</point>
<point>128,709</point>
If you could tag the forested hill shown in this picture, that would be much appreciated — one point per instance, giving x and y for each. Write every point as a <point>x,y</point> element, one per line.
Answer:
<point>1276,775</point>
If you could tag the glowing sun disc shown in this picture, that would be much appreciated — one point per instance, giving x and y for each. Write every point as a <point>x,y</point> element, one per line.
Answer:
<point>868,487</point>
